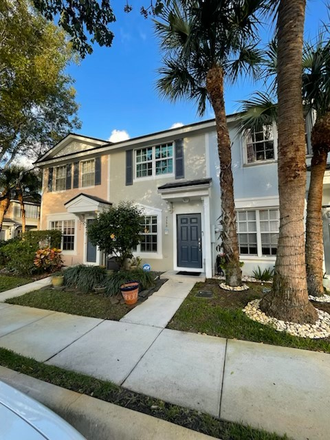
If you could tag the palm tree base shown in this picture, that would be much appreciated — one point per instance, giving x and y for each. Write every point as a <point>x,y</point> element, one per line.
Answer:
<point>282,308</point>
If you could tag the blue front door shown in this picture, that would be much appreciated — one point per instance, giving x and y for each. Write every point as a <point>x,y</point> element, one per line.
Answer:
<point>91,249</point>
<point>189,241</point>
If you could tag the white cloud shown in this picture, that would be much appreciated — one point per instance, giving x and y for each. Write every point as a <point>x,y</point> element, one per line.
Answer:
<point>177,125</point>
<point>23,161</point>
<point>118,135</point>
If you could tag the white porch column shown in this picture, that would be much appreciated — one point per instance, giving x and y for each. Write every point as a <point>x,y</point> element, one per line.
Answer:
<point>207,237</point>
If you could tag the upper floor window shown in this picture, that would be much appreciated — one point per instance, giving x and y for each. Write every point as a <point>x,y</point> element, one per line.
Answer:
<point>258,232</point>
<point>87,173</point>
<point>154,161</point>
<point>60,178</point>
<point>67,227</point>
<point>260,144</point>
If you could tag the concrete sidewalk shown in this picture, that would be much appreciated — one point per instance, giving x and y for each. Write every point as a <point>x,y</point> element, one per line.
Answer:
<point>96,419</point>
<point>22,290</point>
<point>268,387</point>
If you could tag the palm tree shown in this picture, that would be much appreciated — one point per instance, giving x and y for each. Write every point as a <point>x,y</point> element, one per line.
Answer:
<point>8,179</point>
<point>203,42</point>
<point>262,110</point>
<point>288,299</point>
<point>18,182</point>
<point>28,188</point>
<point>316,88</point>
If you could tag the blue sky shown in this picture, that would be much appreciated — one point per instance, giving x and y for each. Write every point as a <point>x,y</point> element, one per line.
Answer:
<point>116,86</point>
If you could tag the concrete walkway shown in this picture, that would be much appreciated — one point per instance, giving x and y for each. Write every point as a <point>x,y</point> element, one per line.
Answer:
<point>272,388</point>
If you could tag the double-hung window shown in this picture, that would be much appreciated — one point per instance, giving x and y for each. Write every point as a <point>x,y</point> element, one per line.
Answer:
<point>149,234</point>
<point>60,178</point>
<point>154,161</point>
<point>67,227</point>
<point>258,232</point>
<point>260,144</point>
<point>87,173</point>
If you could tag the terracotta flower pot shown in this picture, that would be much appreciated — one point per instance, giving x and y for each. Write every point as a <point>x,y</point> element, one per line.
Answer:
<point>130,291</point>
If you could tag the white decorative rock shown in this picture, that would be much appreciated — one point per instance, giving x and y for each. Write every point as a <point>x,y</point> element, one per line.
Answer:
<point>322,299</point>
<point>321,329</point>
<point>233,289</point>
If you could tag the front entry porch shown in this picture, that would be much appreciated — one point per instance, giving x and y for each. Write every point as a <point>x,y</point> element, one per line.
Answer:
<point>189,204</point>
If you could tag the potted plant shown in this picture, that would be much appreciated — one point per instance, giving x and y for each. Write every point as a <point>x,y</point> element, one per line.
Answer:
<point>135,263</point>
<point>130,291</point>
<point>57,279</point>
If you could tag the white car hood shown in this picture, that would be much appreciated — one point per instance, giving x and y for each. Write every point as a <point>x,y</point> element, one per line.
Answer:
<point>24,418</point>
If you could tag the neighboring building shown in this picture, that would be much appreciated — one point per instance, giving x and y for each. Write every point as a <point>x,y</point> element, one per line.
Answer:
<point>12,223</point>
<point>174,176</point>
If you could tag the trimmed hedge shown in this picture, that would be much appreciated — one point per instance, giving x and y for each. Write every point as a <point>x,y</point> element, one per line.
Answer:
<point>52,236</point>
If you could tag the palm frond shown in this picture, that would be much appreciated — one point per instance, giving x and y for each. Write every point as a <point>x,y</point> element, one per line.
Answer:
<point>259,110</point>
<point>247,63</point>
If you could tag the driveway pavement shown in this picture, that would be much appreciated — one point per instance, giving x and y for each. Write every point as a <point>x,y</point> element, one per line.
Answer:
<point>273,388</point>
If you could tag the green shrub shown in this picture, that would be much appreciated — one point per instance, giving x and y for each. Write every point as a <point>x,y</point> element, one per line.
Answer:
<point>117,231</point>
<point>85,278</point>
<point>263,275</point>
<point>18,256</point>
<point>52,237</point>
<point>113,283</point>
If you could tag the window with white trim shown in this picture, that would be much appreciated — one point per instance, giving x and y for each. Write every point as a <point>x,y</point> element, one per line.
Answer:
<point>60,178</point>
<point>67,227</point>
<point>149,235</point>
<point>258,231</point>
<point>154,161</point>
<point>87,173</point>
<point>260,144</point>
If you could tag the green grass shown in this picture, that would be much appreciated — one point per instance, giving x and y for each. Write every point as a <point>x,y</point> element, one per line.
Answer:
<point>225,318</point>
<point>73,302</point>
<point>8,282</point>
<point>109,392</point>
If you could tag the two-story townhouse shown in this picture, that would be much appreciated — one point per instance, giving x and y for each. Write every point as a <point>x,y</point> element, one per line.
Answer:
<point>173,176</point>
<point>12,224</point>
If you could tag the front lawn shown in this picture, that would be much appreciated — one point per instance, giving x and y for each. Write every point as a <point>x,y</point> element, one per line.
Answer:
<point>222,316</point>
<point>8,282</point>
<point>73,302</point>
<point>107,391</point>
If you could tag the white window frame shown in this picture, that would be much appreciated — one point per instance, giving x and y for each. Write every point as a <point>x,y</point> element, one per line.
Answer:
<point>261,162</point>
<point>55,178</point>
<point>259,233</point>
<point>82,174</point>
<point>155,212</point>
<point>62,217</point>
<point>154,161</point>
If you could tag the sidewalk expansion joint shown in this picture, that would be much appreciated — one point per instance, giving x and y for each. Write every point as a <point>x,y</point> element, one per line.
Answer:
<point>123,381</point>
<point>27,325</point>
<point>64,348</point>
<point>223,378</point>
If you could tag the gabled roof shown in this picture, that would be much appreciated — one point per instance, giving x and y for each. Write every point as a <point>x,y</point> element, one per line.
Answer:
<point>96,199</point>
<point>151,138</point>
<point>66,141</point>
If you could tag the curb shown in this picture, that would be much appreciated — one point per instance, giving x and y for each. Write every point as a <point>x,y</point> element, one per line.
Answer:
<point>96,419</point>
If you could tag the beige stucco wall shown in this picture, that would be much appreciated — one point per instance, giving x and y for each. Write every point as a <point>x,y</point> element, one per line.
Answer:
<point>52,207</point>
<point>53,202</point>
<point>144,192</point>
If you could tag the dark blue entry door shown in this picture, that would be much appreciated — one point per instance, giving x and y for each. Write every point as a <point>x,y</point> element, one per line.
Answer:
<point>91,250</point>
<point>189,241</point>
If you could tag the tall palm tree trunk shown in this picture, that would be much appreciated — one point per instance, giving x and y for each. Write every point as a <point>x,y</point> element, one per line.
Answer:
<point>314,224</point>
<point>288,300</point>
<point>22,205</point>
<point>4,205</point>
<point>214,86</point>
